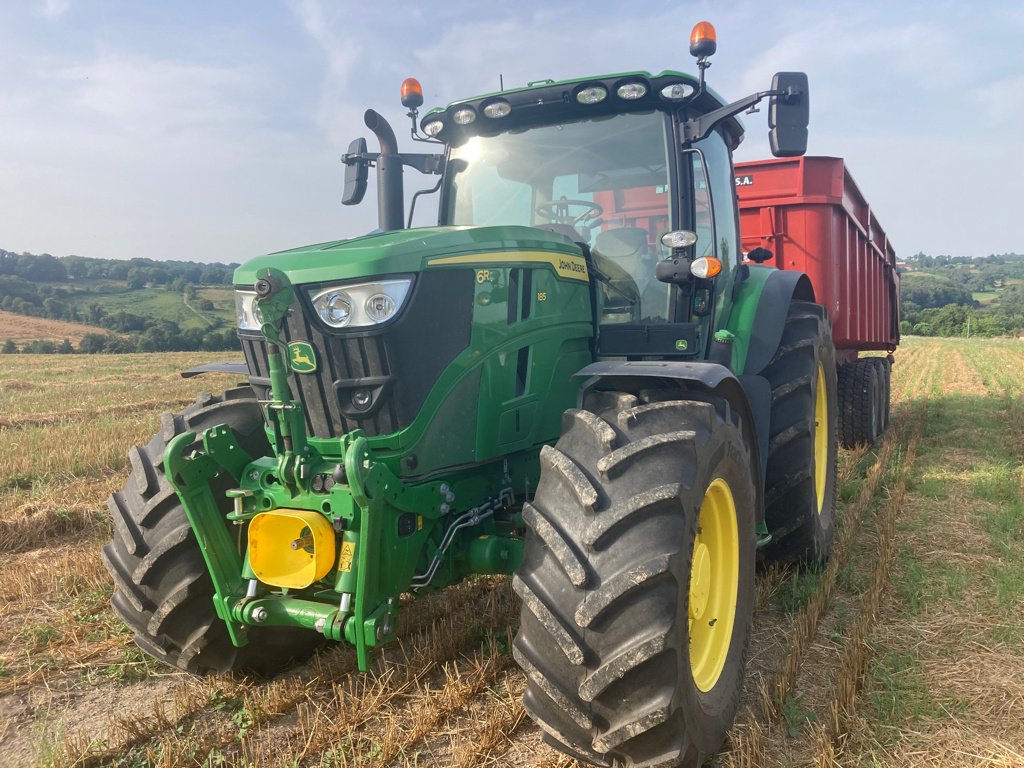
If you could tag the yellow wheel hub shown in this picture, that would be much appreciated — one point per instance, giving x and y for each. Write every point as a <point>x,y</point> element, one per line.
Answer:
<point>820,437</point>
<point>714,584</point>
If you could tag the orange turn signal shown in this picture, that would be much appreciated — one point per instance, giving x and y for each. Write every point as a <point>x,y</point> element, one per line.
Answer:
<point>705,267</point>
<point>703,40</point>
<point>412,93</point>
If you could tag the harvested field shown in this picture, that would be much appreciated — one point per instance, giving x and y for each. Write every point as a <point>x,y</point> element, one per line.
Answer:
<point>906,650</point>
<point>22,328</point>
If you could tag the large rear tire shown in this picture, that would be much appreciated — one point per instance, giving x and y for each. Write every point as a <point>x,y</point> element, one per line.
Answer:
<point>638,582</point>
<point>800,483</point>
<point>163,590</point>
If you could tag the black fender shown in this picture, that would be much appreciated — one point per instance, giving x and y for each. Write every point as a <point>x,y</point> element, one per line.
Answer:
<point>750,395</point>
<point>221,366</point>
<point>780,289</point>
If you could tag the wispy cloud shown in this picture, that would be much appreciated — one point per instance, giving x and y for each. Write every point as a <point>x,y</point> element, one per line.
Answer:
<point>54,9</point>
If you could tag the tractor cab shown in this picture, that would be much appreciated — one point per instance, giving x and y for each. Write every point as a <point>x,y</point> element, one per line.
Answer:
<point>633,169</point>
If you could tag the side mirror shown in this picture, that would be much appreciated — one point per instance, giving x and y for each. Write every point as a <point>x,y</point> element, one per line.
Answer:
<point>355,173</point>
<point>788,114</point>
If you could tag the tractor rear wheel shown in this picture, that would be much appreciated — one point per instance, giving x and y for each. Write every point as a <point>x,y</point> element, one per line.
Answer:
<point>800,483</point>
<point>162,589</point>
<point>637,583</point>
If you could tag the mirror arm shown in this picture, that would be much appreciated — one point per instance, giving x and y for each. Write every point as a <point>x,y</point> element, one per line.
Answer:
<point>430,164</point>
<point>366,158</point>
<point>433,164</point>
<point>700,127</point>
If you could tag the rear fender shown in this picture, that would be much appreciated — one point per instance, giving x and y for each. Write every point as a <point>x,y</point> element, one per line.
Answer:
<point>759,312</point>
<point>749,395</point>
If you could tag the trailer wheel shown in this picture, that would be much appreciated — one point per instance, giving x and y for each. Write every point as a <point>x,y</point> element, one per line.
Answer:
<point>637,583</point>
<point>162,589</point>
<point>800,483</point>
<point>860,403</point>
<point>884,369</point>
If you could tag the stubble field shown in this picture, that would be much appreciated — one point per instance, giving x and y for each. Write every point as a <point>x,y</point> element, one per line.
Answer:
<point>906,650</point>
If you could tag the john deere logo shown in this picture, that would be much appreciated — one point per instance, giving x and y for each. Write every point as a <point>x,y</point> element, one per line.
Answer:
<point>302,357</point>
<point>681,344</point>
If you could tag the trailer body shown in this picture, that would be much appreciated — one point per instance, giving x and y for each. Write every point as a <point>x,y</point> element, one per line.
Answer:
<point>812,216</point>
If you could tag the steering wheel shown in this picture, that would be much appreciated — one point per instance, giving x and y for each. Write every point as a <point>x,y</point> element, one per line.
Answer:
<point>558,211</point>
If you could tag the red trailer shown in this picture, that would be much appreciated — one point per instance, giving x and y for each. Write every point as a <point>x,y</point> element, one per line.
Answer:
<point>807,214</point>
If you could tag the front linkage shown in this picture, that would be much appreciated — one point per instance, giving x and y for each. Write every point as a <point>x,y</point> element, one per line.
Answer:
<point>322,535</point>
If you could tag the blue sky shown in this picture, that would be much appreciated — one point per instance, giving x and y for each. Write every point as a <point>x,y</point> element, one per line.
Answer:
<point>212,131</point>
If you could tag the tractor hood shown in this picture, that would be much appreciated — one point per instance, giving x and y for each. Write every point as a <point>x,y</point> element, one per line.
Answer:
<point>401,251</point>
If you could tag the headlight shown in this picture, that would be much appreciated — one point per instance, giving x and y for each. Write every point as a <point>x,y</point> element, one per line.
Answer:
<point>246,311</point>
<point>355,306</point>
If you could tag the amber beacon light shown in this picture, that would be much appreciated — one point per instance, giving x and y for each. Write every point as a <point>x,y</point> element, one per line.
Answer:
<point>412,93</point>
<point>703,40</point>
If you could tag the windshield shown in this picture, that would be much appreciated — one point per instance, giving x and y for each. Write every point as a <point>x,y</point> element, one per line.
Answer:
<point>604,182</point>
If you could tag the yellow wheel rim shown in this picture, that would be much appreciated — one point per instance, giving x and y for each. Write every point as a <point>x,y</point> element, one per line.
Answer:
<point>714,583</point>
<point>820,438</point>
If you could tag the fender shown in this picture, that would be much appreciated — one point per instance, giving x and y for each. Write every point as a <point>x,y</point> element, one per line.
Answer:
<point>758,314</point>
<point>753,404</point>
<point>221,366</point>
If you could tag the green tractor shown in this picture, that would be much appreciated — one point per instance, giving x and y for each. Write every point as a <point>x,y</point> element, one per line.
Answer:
<point>574,378</point>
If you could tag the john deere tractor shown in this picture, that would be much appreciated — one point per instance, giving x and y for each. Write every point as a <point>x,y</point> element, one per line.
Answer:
<point>574,378</point>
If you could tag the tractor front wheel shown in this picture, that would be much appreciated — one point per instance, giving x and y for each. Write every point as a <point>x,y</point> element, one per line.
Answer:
<point>163,590</point>
<point>637,583</point>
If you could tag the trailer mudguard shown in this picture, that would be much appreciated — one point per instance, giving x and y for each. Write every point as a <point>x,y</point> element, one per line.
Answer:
<point>758,315</point>
<point>750,395</point>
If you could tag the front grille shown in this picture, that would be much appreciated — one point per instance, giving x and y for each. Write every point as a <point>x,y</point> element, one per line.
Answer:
<point>398,364</point>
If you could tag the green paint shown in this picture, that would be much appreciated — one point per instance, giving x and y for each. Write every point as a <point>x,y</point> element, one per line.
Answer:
<point>741,314</point>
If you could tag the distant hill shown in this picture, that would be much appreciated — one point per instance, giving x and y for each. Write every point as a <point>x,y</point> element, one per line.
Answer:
<point>954,296</point>
<point>22,329</point>
<point>139,305</point>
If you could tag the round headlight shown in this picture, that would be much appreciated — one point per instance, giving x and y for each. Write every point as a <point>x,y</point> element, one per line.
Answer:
<point>464,116</point>
<point>677,91</point>
<point>380,307</point>
<point>257,314</point>
<point>433,127</point>
<point>631,91</point>
<point>497,109</point>
<point>592,95</point>
<point>335,308</point>
<point>679,238</point>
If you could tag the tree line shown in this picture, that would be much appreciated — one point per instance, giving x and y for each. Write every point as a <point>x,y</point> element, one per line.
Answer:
<point>937,295</point>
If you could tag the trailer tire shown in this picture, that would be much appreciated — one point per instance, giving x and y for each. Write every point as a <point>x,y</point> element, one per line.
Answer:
<point>637,506</point>
<point>884,369</point>
<point>860,403</point>
<point>163,590</point>
<point>800,482</point>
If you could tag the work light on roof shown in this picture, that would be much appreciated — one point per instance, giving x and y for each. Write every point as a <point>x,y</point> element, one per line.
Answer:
<point>631,91</point>
<point>464,116</point>
<point>593,94</point>
<point>496,109</point>
<point>677,91</point>
<point>433,127</point>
